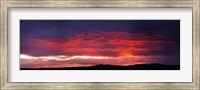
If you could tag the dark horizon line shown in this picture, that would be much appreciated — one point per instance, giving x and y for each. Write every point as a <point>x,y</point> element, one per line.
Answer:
<point>153,66</point>
<point>103,19</point>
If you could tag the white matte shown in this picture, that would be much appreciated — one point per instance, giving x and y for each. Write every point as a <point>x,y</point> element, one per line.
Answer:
<point>183,75</point>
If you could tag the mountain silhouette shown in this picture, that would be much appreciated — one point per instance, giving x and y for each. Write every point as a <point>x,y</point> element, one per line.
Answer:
<point>153,66</point>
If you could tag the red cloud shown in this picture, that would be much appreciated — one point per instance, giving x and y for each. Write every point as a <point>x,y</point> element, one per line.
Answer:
<point>101,44</point>
<point>109,44</point>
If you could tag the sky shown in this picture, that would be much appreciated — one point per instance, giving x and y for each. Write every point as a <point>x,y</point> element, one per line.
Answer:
<point>81,43</point>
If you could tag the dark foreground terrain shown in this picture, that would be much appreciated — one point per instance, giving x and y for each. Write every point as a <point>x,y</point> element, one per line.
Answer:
<point>154,66</point>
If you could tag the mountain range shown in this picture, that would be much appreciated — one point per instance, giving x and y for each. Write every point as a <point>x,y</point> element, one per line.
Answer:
<point>153,66</point>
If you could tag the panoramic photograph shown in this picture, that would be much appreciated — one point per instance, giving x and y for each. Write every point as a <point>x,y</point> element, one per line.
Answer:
<point>99,45</point>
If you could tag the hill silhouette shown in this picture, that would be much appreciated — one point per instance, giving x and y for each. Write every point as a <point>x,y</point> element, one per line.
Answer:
<point>154,66</point>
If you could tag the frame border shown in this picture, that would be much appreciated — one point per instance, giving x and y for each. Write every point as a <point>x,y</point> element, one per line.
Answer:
<point>6,4</point>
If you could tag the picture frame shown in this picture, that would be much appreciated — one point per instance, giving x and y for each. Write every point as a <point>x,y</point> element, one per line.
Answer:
<point>7,4</point>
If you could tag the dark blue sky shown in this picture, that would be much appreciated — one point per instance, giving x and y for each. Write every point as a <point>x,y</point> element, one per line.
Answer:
<point>67,28</point>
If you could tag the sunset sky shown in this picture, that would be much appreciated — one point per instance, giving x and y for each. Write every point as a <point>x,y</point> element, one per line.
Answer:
<point>77,43</point>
